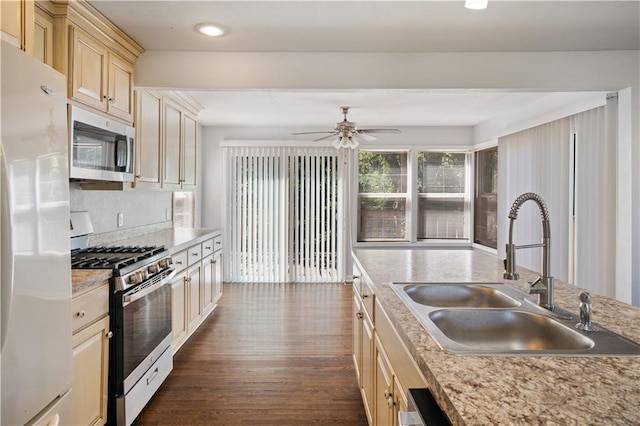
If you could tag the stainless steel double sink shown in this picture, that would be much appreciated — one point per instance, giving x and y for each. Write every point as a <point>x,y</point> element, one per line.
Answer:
<point>496,319</point>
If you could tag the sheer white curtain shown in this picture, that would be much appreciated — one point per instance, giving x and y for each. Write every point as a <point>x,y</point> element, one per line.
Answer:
<point>595,198</point>
<point>282,220</point>
<point>536,160</point>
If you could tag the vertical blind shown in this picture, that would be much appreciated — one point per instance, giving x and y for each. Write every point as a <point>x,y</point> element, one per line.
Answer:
<point>282,220</point>
<point>595,199</point>
<point>536,160</point>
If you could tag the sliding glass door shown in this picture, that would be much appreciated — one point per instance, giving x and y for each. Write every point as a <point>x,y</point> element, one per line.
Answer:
<point>282,216</point>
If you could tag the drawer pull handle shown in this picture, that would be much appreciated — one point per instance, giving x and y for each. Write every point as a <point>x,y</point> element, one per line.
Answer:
<point>195,254</point>
<point>178,262</point>
<point>364,295</point>
<point>207,247</point>
<point>81,314</point>
<point>152,376</point>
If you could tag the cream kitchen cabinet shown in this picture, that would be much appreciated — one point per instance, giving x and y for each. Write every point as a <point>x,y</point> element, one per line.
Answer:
<point>179,310</point>
<point>364,355</point>
<point>16,23</point>
<point>166,140</point>
<point>384,367</point>
<point>43,34</point>
<point>99,77</point>
<point>91,334</point>
<point>180,148</point>
<point>148,119</point>
<point>97,58</point>
<point>211,274</point>
<point>197,286</point>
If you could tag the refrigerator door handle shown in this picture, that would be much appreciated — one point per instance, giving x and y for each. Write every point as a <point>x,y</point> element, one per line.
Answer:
<point>7,266</point>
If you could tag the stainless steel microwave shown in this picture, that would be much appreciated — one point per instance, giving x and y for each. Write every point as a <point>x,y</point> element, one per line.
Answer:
<point>100,148</point>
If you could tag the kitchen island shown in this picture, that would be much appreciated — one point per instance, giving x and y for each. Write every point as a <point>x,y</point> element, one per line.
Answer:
<point>481,390</point>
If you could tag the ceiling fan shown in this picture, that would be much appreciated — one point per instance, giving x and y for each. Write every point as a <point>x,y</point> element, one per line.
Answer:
<point>348,134</point>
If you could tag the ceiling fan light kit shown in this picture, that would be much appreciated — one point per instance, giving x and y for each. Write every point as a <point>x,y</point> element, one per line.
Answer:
<point>348,134</point>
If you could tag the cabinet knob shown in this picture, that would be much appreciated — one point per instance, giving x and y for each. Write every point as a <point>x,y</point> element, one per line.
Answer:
<point>364,295</point>
<point>390,402</point>
<point>355,277</point>
<point>81,314</point>
<point>138,176</point>
<point>387,393</point>
<point>359,315</point>
<point>110,335</point>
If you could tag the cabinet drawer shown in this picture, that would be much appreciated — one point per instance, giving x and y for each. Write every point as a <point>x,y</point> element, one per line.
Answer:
<point>180,260</point>
<point>89,307</point>
<point>194,254</point>
<point>217,242</point>
<point>207,248</point>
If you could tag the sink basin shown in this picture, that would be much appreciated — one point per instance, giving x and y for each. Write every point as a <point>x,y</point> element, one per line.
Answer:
<point>459,295</point>
<point>497,319</point>
<point>505,330</point>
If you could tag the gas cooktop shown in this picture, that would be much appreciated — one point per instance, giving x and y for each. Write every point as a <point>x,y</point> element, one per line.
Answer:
<point>115,258</point>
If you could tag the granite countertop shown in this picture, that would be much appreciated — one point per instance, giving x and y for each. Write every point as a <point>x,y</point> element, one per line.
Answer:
<point>84,279</point>
<point>175,239</point>
<point>482,390</point>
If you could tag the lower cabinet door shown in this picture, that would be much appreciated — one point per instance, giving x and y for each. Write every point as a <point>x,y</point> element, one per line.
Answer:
<point>90,374</point>
<point>178,310</point>
<point>207,284</point>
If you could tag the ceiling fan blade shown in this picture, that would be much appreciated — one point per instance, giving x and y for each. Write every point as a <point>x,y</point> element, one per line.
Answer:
<point>312,133</point>
<point>363,137</point>
<point>380,131</point>
<point>326,137</point>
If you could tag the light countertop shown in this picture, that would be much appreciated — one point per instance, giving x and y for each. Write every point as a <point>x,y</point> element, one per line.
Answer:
<point>174,239</point>
<point>482,390</point>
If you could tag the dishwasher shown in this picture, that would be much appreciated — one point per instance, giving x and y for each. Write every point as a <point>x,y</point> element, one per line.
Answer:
<point>422,410</point>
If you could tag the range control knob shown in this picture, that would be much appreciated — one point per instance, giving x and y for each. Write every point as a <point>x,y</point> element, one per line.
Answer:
<point>134,278</point>
<point>153,269</point>
<point>165,263</point>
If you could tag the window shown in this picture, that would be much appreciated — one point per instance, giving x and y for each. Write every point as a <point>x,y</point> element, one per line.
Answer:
<point>382,199</point>
<point>430,187</point>
<point>184,210</point>
<point>486,198</point>
<point>441,195</point>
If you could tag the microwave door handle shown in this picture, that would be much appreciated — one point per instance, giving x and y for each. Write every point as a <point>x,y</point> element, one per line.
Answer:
<point>130,148</point>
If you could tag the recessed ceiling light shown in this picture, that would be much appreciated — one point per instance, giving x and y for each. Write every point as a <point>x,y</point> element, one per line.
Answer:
<point>211,30</point>
<point>476,4</point>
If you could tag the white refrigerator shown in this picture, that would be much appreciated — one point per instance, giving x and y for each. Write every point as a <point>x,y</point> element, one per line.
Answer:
<point>35,310</point>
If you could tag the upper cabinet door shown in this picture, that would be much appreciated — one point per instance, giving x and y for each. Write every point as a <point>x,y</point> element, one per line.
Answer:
<point>189,151</point>
<point>148,139</point>
<point>120,88</point>
<point>43,37</point>
<point>89,70</point>
<point>16,23</point>
<point>172,137</point>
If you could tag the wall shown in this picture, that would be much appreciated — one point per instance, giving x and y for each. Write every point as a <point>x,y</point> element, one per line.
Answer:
<point>529,71</point>
<point>139,207</point>
<point>212,191</point>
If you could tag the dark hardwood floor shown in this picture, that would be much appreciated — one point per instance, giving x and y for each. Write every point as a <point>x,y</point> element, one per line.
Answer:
<point>270,354</point>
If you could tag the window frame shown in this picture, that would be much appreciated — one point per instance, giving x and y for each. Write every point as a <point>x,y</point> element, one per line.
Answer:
<point>413,198</point>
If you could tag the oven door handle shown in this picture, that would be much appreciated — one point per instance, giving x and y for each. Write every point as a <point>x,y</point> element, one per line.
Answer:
<point>140,294</point>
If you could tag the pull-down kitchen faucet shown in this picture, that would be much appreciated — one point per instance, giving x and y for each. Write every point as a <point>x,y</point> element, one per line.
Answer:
<point>543,285</point>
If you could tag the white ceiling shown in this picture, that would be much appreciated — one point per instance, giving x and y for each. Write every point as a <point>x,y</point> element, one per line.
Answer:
<point>373,26</point>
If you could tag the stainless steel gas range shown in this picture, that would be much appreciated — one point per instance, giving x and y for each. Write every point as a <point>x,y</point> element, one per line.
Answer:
<point>140,356</point>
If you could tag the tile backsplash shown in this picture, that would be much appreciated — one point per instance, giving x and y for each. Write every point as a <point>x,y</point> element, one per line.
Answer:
<point>138,207</point>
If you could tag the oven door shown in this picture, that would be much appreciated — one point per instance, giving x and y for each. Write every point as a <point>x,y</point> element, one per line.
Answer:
<point>142,329</point>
